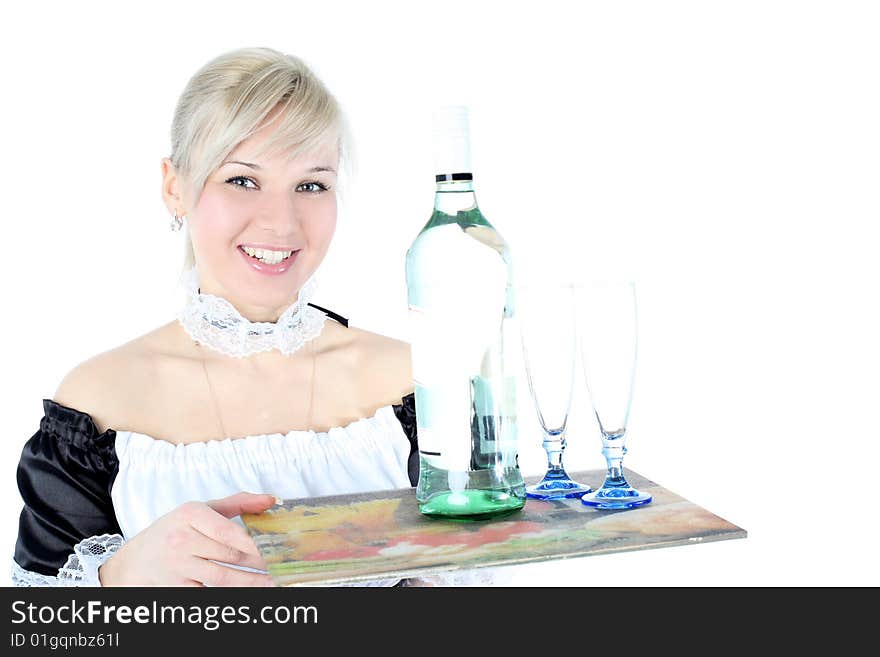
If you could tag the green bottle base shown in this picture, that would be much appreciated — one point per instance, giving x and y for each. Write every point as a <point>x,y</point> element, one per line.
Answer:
<point>471,504</point>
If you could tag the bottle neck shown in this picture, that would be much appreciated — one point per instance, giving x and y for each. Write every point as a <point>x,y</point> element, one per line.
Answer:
<point>454,196</point>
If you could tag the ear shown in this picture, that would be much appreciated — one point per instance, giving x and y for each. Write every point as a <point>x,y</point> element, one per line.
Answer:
<point>172,189</point>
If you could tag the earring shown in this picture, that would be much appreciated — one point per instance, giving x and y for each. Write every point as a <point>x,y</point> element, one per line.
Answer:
<point>177,222</point>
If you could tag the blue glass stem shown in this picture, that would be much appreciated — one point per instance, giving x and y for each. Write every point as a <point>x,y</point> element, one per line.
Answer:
<point>554,446</point>
<point>615,493</point>
<point>556,482</point>
<point>614,450</point>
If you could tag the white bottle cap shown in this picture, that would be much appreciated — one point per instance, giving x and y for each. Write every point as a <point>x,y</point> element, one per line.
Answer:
<point>452,140</point>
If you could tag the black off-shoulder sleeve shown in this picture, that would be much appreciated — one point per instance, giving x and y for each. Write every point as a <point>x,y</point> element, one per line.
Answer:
<point>406,413</point>
<point>65,475</point>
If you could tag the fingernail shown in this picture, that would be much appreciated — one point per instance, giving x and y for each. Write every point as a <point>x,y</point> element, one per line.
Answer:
<point>279,501</point>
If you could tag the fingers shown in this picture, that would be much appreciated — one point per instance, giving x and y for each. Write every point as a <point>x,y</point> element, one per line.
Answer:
<point>209,522</point>
<point>235,505</point>
<point>207,548</point>
<point>211,536</point>
<point>212,574</point>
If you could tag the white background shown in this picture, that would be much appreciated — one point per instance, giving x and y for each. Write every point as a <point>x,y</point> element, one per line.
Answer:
<point>724,155</point>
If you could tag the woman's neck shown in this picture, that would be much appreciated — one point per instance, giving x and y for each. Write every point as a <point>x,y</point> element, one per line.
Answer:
<point>252,313</point>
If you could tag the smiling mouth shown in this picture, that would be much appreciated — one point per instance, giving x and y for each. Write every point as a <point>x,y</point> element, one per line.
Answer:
<point>267,256</point>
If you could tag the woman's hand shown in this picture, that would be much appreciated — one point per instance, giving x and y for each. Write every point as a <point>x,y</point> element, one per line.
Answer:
<point>177,548</point>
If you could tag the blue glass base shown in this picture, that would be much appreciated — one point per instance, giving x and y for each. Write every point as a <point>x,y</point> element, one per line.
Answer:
<point>556,487</point>
<point>618,497</point>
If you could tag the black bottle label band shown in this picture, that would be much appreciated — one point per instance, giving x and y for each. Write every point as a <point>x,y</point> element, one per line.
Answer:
<point>441,177</point>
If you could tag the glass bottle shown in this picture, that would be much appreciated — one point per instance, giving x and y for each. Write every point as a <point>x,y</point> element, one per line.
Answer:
<point>461,308</point>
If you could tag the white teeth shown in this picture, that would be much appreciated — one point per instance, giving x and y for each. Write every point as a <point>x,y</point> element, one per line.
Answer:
<point>267,256</point>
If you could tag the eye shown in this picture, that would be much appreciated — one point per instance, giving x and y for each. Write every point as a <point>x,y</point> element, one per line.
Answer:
<point>237,181</point>
<point>314,187</point>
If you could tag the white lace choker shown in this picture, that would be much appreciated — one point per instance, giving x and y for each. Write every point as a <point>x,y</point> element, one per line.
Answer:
<point>215,323</point>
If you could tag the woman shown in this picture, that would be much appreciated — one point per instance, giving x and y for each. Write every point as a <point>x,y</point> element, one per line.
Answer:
<point>145,453</point>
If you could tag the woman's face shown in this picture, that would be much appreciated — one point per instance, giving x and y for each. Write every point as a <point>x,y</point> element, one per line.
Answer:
<point>273,204</point>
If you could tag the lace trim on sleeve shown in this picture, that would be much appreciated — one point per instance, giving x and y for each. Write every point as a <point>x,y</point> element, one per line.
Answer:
<point>22,577</point>
<point>81,568</point>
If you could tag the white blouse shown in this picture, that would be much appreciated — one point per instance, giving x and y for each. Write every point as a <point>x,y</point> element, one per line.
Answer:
<point>156,476</point>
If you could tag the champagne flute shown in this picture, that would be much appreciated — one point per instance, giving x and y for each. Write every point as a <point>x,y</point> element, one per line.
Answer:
<point>546,319</point>
<point>608,330</point>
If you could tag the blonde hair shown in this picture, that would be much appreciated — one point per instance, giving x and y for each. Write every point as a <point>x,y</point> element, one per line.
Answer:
<point>230,98</point>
